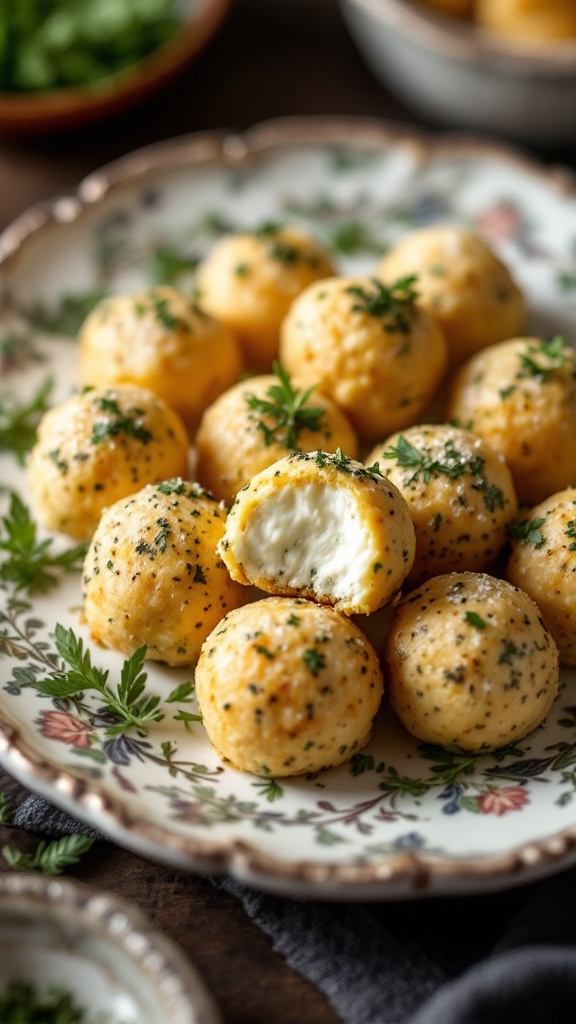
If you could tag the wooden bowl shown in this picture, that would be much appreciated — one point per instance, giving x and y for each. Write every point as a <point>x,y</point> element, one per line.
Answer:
<point>41,112</point>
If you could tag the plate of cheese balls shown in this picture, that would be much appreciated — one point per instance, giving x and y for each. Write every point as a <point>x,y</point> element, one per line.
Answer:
<point>288,530</point>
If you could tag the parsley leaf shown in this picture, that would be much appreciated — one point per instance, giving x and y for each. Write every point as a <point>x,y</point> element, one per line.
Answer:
<point>29,562</point>
<point>19,423</point>
<point>541,359</point>
<point>527,531</point>
<point>127,703</point>
<point>283,415</point>
<point>394,302</point>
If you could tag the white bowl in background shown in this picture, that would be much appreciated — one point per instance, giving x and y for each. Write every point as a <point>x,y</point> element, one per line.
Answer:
<point>459,75</point>
<point>60,933</point>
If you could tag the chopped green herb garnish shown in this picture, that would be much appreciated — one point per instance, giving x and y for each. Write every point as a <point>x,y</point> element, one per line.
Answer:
<point>283,415</point>
<point>394,303</point>
<point>453,464</point>
<point>315,660</point>
<point>22,1003</point>
<point>570,532</point>
<point>527,531</point>
<point>473,619</point>
<point>543,358</point>
<point>118,422</point>
<point>28,563</point>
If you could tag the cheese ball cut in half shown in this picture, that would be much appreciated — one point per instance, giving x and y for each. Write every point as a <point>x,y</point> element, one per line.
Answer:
<point>470,662</point>
<point>543,563</point>
<point>257,422</point>
<point>247,281</point>
<point>98,447</point>
<point>286,686</point>
<point>462,284</point>
<point>321,526</point>
<point>152,575</point>
<point>520,396</point>
<point>459,492</point>
<point>161,340</point>
<point>373,349</point>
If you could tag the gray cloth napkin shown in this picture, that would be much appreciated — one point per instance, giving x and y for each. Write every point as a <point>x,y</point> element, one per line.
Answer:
<point>503,958</point>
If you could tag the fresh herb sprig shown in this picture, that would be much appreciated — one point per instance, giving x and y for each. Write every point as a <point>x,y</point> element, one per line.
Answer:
<point>118,422</point>
<point>29,564</point>
<point>543,358</point>
<point>19,422</point>
<point>528,531</point>
<point>283,414</point>
<point>394,303</point>
<point>49,858</point>
<point>127,702</point>
<point>454,464</point>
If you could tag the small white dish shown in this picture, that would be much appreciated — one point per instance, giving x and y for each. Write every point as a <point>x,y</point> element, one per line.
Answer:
<point>59,933</point>
<point>458,75</point>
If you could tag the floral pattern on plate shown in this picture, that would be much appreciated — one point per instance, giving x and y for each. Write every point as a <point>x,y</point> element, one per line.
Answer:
<point>400,817</point>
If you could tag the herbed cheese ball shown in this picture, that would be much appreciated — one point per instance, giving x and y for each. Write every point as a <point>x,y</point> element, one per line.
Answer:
<point>249,280</point>
<point>543,563</point>
<point>520,396</point>
<point>528,20</point>
<point>159,339</point>
<point>286,686</point>
<point>470,662</point>
<point>462,284</point>
<point>152,574</point>
<point>373,349</point>
<point>321,526</point>
<point>257,421</point>
<point>459,492</point>
<point>97,447</point>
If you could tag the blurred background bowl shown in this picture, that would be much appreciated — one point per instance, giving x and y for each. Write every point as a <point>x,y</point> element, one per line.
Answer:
<point>59,933</point>
<point>456,74</point>
<point>26,113</point>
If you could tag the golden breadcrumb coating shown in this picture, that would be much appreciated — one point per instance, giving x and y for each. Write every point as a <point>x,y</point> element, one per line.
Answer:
<point>159,339</point>
<point>287,686</point>
<point>152,574</point>
<point>459,492</point>
<point>462,284</point>
<point>97,447</point>
<point>543,563</point>
<point>470,662</point>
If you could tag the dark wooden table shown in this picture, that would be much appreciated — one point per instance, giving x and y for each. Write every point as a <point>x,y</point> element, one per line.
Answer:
<point>272,58</point>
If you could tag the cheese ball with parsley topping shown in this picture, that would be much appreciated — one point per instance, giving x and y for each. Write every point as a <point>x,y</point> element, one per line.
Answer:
<point>470,662</point>
<point>97,447</point>
<point>459,492</point>
<point>159,339</point>
<point>321,526</point>
<point>286,686</point>
<point>462,284</point>
<point>520,396</point>
<point>249,280</point>
<point>374,350</point>
<point>152,575</point>
<point>543,563</point>
<point>256,422</point>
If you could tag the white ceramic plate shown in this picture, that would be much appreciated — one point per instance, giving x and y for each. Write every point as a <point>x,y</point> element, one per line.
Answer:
<point>401,819</point>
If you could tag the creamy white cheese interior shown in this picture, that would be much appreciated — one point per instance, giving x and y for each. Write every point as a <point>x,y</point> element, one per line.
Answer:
<point>311,536</point>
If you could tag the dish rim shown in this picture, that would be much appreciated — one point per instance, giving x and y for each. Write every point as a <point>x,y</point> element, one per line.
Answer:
<point>449,37</point>
<point>413,873</point>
